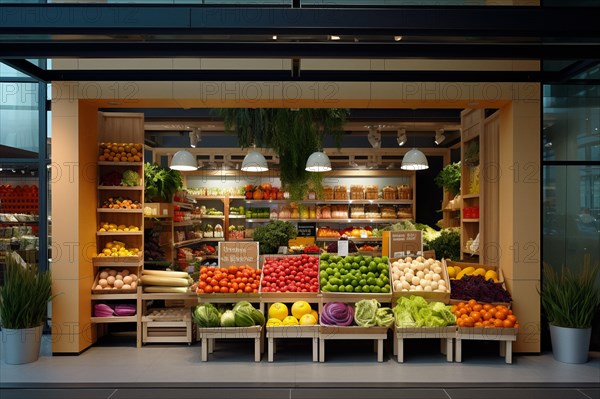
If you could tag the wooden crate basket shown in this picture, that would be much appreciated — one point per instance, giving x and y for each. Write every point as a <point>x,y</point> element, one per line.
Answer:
<point>432,296</point>
<point>169,327</point>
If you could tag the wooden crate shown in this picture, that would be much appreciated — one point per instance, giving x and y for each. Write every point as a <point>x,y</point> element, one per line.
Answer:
<point>446,336</point>
<point>293,332</point>
<point>463,265</point>
<point>209,334</point>
<point>443,297</point>
<point>117,291</point>
<point>378,334</point>
<point>506,336</point>
<point>173,328</point>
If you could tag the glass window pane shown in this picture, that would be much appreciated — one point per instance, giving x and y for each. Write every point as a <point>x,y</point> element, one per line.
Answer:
<point>19,119</point>
<point>571,123</point>
<point>571,214</point>
<point>8,72</point>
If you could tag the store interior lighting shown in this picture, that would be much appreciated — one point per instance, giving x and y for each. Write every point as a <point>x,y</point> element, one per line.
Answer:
<point>254,161</point>
<point>183,161</point>
<point>401,137</point>
<point>352,163</point>
<point>195,137</point>
<point>374,137</point>
<point>439,136</point>
<point>414,160</point>
<point>318,162</point>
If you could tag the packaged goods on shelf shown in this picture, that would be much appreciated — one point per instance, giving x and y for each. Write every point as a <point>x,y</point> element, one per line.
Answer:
<point>388,212</point>
<point>390,193</point>
<point>327,192</point>
<point>339,211</point>
<point>340,193</point>
<point>357,192</point>
<point>372,192</point>
<point>372,211</point>
<point>405,192</point>
<point>405,212</point>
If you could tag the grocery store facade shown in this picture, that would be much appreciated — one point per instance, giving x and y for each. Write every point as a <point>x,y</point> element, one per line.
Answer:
<point>398,58</point>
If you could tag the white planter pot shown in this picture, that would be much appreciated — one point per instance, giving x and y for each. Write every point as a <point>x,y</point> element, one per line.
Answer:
<point>570,345</point>
<point>21,346</point>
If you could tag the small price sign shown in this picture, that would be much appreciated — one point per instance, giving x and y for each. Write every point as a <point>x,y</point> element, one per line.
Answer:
<point>232,253</point>
<point>405,242</point>
<point>307,229</point>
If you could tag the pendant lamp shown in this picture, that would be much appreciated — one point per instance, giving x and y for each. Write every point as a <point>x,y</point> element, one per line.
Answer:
<point>318,162</point>
<point>254,161</point>
<point>183,160</point>
<point>414,160</point>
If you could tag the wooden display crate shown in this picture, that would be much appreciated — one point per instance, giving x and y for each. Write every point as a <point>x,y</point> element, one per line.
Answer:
<point>464,265</point>
<point>118,261</point>
<point>293,332</point>
<point>270,297</point>
<point>169,328</point>
<point>209,334</point>
<point>111,291</point>
<point>446,336</point>
<point>506,336</point>
<point>429,296</point>
<point>378,334</point>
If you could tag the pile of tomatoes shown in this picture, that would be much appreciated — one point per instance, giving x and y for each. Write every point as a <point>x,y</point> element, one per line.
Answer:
<point>474,314</point>
<point>230,280</point>
<point>291,274</point>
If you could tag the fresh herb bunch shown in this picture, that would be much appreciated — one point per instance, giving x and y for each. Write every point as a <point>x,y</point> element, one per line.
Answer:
<point>274,234</point>
<point>449,178</point>
<point>447,245</point>
<point>161,182</point>
<point>25,295</point>
<point>570,299</point>
<point>472,153</point>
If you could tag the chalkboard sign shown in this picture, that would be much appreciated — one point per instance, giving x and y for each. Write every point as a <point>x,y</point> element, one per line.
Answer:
<point>307,229</point>
<point>405,242</point>
<point>232,253</point>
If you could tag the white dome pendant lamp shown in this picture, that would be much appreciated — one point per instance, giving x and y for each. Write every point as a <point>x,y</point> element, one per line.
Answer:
<point>318,162</point>
<point>254,161</point>
<point>183,161</point>
<point>414,160</point>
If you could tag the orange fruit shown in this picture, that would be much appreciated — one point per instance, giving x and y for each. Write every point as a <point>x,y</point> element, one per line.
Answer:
<point>472,302</point>
<point>501,315</point>
<point>512,318</point>
<point>508,323</point>
<point>498,323</point>
<point>314,314</point>
<point>487,316</point>
<point>487,306</point>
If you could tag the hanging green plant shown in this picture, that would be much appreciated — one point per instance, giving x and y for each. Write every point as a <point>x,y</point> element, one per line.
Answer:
<point>292,134</point>
<point>472,153</point>
<point>449,178</point>
<point>161,183</point>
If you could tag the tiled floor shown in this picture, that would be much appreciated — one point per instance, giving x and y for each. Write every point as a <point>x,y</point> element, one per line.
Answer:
<point>117,370</point>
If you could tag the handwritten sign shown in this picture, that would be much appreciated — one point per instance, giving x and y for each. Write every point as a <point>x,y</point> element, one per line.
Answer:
<point>232,253</point>
<point>307,229</point>
<point>405,242</point>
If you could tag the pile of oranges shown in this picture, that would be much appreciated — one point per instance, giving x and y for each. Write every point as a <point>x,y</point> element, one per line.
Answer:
<point>474,314</point>
<point>231,280</point>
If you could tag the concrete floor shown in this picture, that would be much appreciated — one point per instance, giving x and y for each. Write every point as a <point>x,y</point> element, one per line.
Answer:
<point>116,369</point>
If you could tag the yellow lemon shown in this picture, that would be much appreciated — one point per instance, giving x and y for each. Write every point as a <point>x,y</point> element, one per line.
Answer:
<point>273,322</point>
<point>491,274</point>
<point>314,314</point>
<point>109,245</point>
<point>106,251</point>
<point>278,311</point>
<point>308,320</point>
<point>290,321</point>
<point>300,308</point>
<point>451,272</point>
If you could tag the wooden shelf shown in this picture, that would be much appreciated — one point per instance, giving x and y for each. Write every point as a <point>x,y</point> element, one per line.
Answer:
<point>469,196</point>
<point>157,216</point>
<point>336,202</point>
<point>241,239</point>
<point>114,319</point>
<point>119,233</point>
<point>185,205</point>
<point>121,188</point>
<point>470,220</point>
<point>213,216</point>
<point>112,163</point>
<point>168,296</point>
<point>237,217</point>
<point>185,223</point>
<point>209,197</point>
<point>196,240</point>
<point>354,239</point>
<point>110,210</point>
<point>113,297</point>
<point>345,220</point>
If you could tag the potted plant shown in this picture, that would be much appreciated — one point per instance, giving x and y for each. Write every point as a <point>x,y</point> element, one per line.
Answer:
<point>161,183</point>
<point>570,300</point>
<point>449,179</point>
<point>23,305</point>
<point>273,235</point>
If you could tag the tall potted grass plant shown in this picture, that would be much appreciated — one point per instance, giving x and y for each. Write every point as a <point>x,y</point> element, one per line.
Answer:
<point>570,300</point>
<point>23,306</point>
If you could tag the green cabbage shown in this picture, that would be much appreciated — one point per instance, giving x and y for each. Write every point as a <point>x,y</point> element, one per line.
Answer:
<point>414,311</point>
<point>206,315</point>
<point>258,317</point>
<point>365,311</point>
<point>384,317</point>
<point>228,319</point>
<point>243,318</point>
<point>130,178</point>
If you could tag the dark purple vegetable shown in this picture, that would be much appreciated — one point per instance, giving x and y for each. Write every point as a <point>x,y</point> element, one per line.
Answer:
<point>476,287</point>
<point>125,310</point>
<point>337,314</point>
<point>333,247</point>
<point>103,310</point>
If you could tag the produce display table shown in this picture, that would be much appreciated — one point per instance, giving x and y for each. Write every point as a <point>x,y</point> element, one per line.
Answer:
<point>506,336</point>
<point>293,332</point>
<point>336,332</point>
<point>445,334</point>
<point>208,335</point>
<point>168,326</point>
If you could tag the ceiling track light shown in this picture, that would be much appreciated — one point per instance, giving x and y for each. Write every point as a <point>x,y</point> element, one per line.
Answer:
<point>397,38</point>
<point>401,137</point>
<point>374,137</point>
<point>195,137</point>
<point>439,136</point>
<point>334,37</point>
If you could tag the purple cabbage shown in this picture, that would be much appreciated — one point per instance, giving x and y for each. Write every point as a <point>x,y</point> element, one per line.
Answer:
<point>103,310</point>
<point>337,314</point>
<point>125,310</point>
<point>478,288</point>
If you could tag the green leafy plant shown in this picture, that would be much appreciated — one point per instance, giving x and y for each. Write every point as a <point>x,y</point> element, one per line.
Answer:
<point>471,155</point>
<point>292,134</point>
<point>272,235</point>
<point>161,182</point>
<point>449,178</point>
<point>25,295</point>
<point>446,245</point>
<point>570,299</point>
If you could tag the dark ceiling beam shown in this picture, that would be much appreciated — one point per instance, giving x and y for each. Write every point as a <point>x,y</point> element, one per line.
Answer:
<point>177,19</point>
<point>576,68</point>
<point>304,76</point>
<point>27,68</point>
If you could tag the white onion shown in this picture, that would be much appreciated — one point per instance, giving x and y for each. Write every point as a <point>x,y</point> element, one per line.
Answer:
<point>436,277</point>
<point>407,270</point>
<point>98,287</point>
<point>408,259</point>
<point>418,288</point>
<point>402,279</point>
<point>134,277</point>
<point>405,285</point>
<point>126,287</point>
<point>415,280</point>
<point>427,288</point>
<point>102,282</point>
<point>434,285</point>
<point>119,283</point>
<point>103,275</point>
<point>110,280</point>
<point>429,277</point>
<point>125,272</point>
<point>119,277</point>
<point>127,280</point>
<point>112,272</point>
<point>133,285</point>
<point>420,274</point>
<point>437,269</point>
<point>396,264</point>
